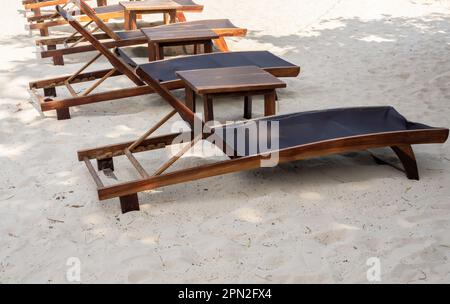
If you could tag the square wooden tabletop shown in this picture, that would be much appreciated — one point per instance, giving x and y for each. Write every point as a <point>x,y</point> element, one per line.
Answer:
<point>158,5</point>
<point>183,32</point>
<point>149,5</point>
<point>230,80</point>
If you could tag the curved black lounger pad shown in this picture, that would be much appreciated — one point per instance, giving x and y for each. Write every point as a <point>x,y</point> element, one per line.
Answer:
<point>305,128</point>
<point>164,70</point>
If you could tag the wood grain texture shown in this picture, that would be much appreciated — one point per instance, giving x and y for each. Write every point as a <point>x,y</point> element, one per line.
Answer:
<point>235,79</point>
<point>327,147</point>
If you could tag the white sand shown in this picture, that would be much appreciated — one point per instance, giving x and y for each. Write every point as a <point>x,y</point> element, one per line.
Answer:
<point>309,221</point>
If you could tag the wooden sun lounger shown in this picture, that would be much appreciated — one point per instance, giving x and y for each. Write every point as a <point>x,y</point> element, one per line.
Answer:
<point>123,65</point>
<point>71,44</point>
<point>38,4</point>
<point>35,7</point>
<point>105,12</point>
<point>222,27</point>
<point>301,136</point>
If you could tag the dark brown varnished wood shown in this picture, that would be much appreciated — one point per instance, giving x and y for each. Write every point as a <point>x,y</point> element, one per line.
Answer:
<point>323,148</point>
<point>236,81</point>
<point>190,98</point>
<point>105,163</point>
<point>230,80</point>
<point>177,36</point>
<point>248,107</point>
<point>222,27</point>
<point>129,203</point>
<point>208,111</point>
<point>406,155</point>
<point>270,103</point>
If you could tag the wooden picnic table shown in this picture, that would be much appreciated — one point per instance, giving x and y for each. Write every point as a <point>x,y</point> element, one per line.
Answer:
<point>171,10</point>
<point>236,81</point>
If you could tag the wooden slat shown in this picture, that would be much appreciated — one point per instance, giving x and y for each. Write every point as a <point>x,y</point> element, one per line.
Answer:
<point>109,151</point>
<point>94,174</point>
<point>151,130</point>
<point>136,164</point>
<point>177,156</point>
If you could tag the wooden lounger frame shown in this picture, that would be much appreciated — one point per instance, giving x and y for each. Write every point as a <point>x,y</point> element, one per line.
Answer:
<point>399,141</point>
<point>48,47</point>
<point>38,18</point>
<point>44,22</point>
<point>48,102</point>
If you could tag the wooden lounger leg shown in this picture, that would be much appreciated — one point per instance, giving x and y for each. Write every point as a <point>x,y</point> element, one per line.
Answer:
<point>129,203</point>
<point>57,59</point>
<point>43,31</point>
<point>221,44</point>
<point>61,114</point>
<point>106,163</point>
<point>406,155</point>
<point>50,92</point>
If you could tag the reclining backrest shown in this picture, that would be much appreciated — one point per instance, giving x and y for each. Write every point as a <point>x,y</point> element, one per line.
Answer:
<point>89,11</point>
<point>113,58</point>
<point>165,94</point>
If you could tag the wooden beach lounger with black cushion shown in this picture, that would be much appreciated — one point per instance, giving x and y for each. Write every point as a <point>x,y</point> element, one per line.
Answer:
<point>301,136</point>
<point>77,43</point>
<point>164,70</point>
<point>70,45</point>
<point>105,12</point>
<point>123,65</point>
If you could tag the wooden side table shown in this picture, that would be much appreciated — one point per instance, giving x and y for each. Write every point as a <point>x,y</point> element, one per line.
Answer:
<point>182,35</point>
<point>235,81</point>
<point>171,10</point>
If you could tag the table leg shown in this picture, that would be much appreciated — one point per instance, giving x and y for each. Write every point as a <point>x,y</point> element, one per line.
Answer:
<point>248,107</point>
<point>151,52</point>
<point>221,44</point>
<point>173,16</point>
<point>165,18</point>
<point>180,17</point>
<point>126,18</point>
<point>130,20</point>
<point>159,48</point>
<point>269,103</point>
<point>208,108</point>
<point>190,98</point>
<point>208,47</point>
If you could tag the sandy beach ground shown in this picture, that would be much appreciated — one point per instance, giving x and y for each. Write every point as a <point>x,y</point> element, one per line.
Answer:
<point>315,221</point>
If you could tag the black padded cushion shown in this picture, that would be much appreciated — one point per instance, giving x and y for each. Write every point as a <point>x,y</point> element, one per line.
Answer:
<point>116,8</point>
<point>165,70</point>
<point>311,127</point>
<point>130,34</point>
<point>127,59</point>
